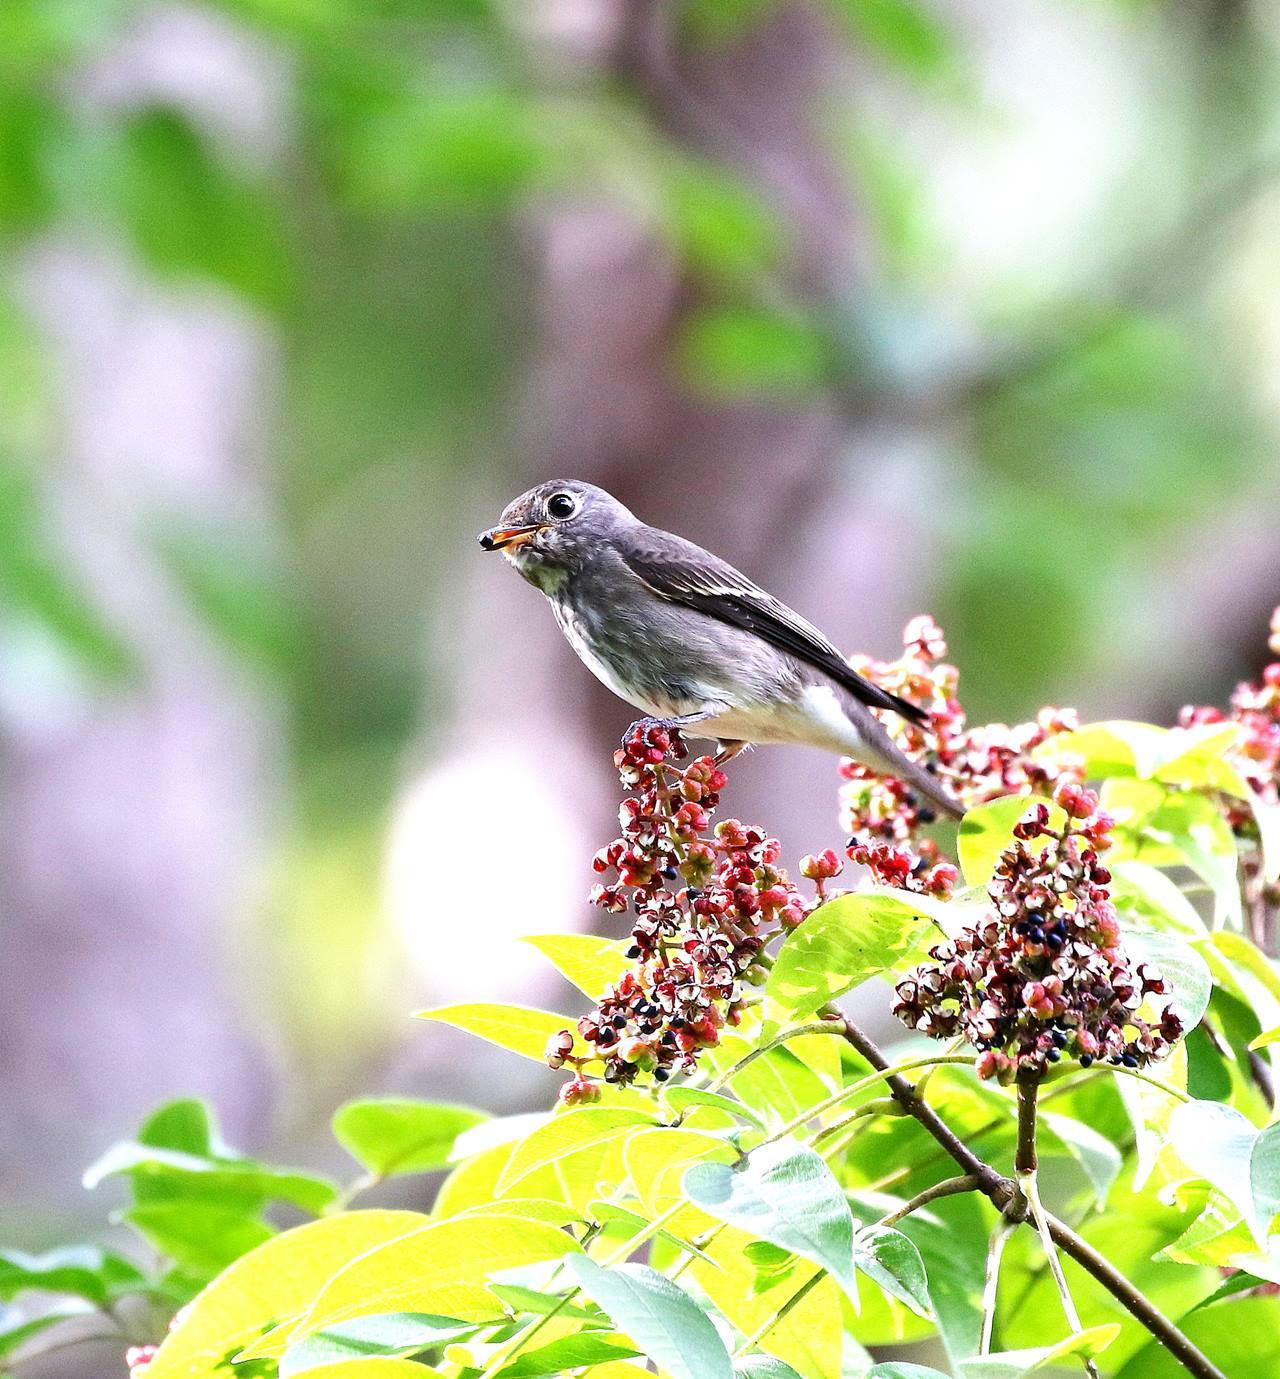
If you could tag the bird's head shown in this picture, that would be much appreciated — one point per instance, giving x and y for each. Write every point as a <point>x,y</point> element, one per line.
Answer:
<point>554,529</point>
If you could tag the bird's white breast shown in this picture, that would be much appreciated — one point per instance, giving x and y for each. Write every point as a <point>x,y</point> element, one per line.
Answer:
<point>576,634</point>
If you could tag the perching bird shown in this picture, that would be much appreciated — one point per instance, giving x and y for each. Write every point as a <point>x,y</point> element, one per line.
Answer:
<point>681,634</point>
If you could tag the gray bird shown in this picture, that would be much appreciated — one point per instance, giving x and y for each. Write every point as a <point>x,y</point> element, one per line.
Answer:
<point>691,641</point>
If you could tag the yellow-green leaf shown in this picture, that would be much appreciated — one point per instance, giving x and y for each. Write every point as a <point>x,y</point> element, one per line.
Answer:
<point>441,1269</point>
<point>844,942</point>
<point>568,1134</point>
<point>521,1029</point>
<point>657,1160</point>
<point>374,1367</point>
<point>275,1281</point>
<point>589,962</point>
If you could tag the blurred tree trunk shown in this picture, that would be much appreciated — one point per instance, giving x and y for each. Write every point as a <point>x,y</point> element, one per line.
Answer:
<point>133,815</point>
<point>758,482</point>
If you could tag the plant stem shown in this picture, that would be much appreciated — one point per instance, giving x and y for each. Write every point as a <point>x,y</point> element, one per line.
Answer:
<point>949,1187</point>
<point>883,1073</point>
<point>995,1251</point>
<point>1025,1160</point>
<point>796,1032</point>
<point>1136,1303</point>
<point>1004,1193</point>
<point>793,1301</point>
<point>1025,1163</point>
<point>1167,1087</point>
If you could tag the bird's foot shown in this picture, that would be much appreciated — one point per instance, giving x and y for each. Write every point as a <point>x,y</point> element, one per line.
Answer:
<point>643,729</point>
<point>728,750</point>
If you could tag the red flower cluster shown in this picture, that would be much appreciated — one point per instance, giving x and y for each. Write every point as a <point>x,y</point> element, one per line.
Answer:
<point>1255,706</point>
<point>138,1357</point>
<point>1044,973</point>
<point>705,903</point>
<point>975,764</point>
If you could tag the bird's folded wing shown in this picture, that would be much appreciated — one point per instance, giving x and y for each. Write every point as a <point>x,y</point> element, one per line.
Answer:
<point>680,572</point>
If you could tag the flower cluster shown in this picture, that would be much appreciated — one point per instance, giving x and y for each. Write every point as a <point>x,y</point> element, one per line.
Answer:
<point>1255,706</point>
<point>138,1357</point>
<point>1044,972</point>
<point>704,902</point>
<point>976,764</point>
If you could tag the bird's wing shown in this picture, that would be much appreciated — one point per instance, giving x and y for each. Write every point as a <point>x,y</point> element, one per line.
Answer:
<point>680,572</point>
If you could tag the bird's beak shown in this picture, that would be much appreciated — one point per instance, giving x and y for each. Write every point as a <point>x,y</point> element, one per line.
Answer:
<point>502,538</point>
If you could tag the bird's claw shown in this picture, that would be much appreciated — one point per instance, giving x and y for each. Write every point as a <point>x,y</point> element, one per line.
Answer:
<point>641,729</point>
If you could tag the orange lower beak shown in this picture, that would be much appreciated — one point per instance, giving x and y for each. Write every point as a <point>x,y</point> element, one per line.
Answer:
<point>501,538</point>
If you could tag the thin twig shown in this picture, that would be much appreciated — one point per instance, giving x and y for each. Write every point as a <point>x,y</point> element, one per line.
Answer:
<point>795,1032</point>
<point>1026,1164</point>
<point>949,1187</point>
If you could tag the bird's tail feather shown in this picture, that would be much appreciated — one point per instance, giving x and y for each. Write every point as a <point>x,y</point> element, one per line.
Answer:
<point>881,754</point>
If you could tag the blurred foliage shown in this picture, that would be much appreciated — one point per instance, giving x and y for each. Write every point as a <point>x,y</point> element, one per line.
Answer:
<point>379,237</point>
<point>791,1185</point>
<point>1086,424</point>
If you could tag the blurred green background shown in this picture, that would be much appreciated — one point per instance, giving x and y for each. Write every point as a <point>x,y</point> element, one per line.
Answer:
<point>962,305</point>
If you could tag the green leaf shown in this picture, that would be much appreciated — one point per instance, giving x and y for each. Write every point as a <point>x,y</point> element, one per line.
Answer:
<point>1152,896</point>
<point>392,1333</point>
<point>730,350</point>
<point>520,1029</point>
<point>200,1238</point>
<point>985,832</point>
<point>590,963</point>
<point>1264,1178</point>
<point>680,1099</point>
<point>900,1369</point>
<point>907,32</point>
<point>1217,1143</point>
<point>1116,748</point>
<point>951,1238</point>
<point>16,1327</point>
<point>568,1353</point>
<point>468,146</point>
<point>842,944</point>
<point>390,1136</point>
<point>660,1317</point>
<point>783,1193</point>
<point>656,1162</point>
<point>614,1213</point>
<point>1098,1158</point>
<point>275,1281</point>
<point>891,1259</point>
<point>166,1174</point>
<point>1166,828</point>
<point>190,213</point>
<point>1241,1336</point>
<point>1013,1364</point>
<point>186,1125</point>
<point>763,1367</point>
<point>1185,971</point>
<point>84,1270</point>
<point>1266,1038</point>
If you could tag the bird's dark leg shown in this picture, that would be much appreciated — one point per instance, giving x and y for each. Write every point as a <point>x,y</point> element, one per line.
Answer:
<point>726,751</point>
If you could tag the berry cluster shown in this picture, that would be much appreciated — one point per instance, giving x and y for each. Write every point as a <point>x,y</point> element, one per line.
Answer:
<point>1044,973</point>
<point>976,764</point>
<point>705,902</point>
<point>1255,706</point>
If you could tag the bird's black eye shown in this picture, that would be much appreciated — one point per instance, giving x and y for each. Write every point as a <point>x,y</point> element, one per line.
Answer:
<point>562,505</point>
